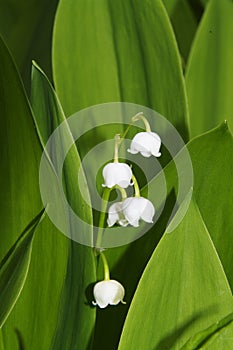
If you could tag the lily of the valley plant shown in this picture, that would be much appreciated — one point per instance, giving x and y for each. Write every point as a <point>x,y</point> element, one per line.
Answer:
<point>130,210</point>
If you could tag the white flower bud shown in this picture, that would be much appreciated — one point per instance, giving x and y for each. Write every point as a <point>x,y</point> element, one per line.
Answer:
<point>117,174</point>
<point>147,143</point>
<point>108,292</point>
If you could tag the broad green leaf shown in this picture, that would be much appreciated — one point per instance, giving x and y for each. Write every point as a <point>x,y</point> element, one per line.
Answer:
<point>37,308</point>
<point>14,269</point>
<point>109,51</point>
<point>26,27</point>
<point>184,23</point>
<point>182,290</point>
<point>208,78</point>
<point>202,338</point>
<point>212,160</point>
<point>76,318</point>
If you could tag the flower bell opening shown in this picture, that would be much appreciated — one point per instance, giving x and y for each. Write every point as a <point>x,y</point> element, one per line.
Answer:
<point>109,292</point>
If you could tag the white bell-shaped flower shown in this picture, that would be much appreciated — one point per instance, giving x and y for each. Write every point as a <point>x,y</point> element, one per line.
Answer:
<point>117,174</point>
<point>108,292</point>
<point>147,143</point>
<point>115,214</point>
<point>136,208</point>
<point>130,211</point>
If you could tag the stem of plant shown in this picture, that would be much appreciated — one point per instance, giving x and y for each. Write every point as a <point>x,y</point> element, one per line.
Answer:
<point>136,187</point>
<point>106,268</point>
<point>123,136</point>
<point>104,205</point>
<point>122,191</point>
<point>117,140</point>
<point>140,116</point>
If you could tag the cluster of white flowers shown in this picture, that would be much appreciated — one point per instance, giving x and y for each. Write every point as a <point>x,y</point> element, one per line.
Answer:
<point>130,210</point>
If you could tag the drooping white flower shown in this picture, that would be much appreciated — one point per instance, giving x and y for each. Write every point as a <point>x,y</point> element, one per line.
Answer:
<point>130,211</point>
<point>115,214</point>
<point>108,292</point>
<point>147,143</point>
<point>117,174</point>
<point>136,208</point>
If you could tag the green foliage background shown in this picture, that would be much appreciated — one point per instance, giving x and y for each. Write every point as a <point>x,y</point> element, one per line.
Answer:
<point>174,56</point>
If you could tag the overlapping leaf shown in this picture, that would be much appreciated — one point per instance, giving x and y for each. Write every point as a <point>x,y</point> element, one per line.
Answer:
<point>211,334</point>
<point>182,291</point>
<point>209,83</point>
<point>14,269</point>
<point>109,51</point>
<point>37,309</point>
<point>212,175</point>
<point>184,23</point>
<point>76,318</point>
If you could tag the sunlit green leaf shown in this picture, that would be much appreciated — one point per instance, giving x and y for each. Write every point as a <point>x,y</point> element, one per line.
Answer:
<point>182,291</point>
<point>76,317</point>
<point>109,51</point>
<point>37,308</point>
<point>212,161</point>
<point>14,269</point>
<point>209,83</point>
<point>184,23</point>
<point>202,338</point>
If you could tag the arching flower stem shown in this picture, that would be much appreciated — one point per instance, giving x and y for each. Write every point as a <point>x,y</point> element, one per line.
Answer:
<point>106,267</point>
<point>124,135</point>
<point>122,191</point>
<point>140,116</point>
<point>117,140</point>
<point>136,187</point>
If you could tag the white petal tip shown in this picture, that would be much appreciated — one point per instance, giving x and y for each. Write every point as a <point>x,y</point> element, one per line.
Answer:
<point>131,151</point>
<point>123,302</point>
<point>94,303</point>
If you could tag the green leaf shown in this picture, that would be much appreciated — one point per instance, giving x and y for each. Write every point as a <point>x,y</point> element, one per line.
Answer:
<point>212,176</point>
<point>22,29</point>
<point>184,23</point>
<point>203,337</point>
<point>204,2</point>
<point>20,201</point>
<point>14,269</point>
<point>128,53</point>
<point>76,318</point>
<point>182,290</point>
<point>208,79</point>
<point>212,159</point>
